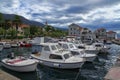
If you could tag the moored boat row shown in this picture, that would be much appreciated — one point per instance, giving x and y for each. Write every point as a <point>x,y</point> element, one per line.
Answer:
<point>59,54</point>
<point>53,54</point>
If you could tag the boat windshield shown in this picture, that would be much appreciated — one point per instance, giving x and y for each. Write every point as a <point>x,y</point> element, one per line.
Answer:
<point>53,56</point>
<point>98,45</point>
<point>1,43</point>
<point>66,56</point>
<point>71,45</point>
<point>58,47</point>
<point>76,42</point>
<point>53,47</point>
<point>74,53</point>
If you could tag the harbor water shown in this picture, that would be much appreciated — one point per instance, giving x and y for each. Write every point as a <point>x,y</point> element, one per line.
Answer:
<point>90,71</point>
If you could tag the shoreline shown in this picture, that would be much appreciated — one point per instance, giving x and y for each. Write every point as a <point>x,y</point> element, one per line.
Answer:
<point>14,40</point>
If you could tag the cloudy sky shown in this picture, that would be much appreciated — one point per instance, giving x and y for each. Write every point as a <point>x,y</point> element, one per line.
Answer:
<point>61,13</point>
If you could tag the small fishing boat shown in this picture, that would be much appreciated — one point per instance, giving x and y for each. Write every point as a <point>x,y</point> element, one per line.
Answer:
<point>14,45</point>
<point>25,44</point>
<point>20,64</point>
<point>91,49</point>
<point>101,47</point>
<point>78,44</point>
<point>5,45</point>
<point>52,55</point>
<point>77,52</point>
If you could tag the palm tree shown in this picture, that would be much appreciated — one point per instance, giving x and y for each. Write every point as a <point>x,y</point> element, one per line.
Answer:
<point>8,24</point>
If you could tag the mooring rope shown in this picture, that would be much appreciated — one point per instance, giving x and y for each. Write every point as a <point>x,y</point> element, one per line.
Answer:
<point>77,74</point>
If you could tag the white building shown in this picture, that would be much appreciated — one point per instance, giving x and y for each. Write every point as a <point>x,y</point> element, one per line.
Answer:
<point>84,33</point>
<point>74,30</point>
<point>111,35</point>
<point>101,33</point>
<point>87,35</point>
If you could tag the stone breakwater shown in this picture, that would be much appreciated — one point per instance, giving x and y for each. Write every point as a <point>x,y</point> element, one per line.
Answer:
<point>117,41</point>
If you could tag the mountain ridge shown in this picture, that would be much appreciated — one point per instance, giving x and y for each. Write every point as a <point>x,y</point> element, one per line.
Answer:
<point>23,19</point>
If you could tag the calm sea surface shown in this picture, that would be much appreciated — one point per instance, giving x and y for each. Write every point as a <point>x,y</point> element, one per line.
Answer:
<point>95,71</point>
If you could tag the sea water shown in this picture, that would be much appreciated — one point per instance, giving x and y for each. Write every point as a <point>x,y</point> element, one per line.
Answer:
<point>90,71</point>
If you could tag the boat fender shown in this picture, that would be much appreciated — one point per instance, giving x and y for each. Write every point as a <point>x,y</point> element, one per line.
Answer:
<point>40,61</point>
<point>56,65</point>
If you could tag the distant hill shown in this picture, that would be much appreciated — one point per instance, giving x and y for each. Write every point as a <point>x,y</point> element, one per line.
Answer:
<point>24,20</point>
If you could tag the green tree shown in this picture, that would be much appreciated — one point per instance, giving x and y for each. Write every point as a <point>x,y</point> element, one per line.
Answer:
<point>33,30</point>
<point>1,19</point>
<point>17,21</point>
<point>12,32</point>
<point>8,24</point>
<point>26,31</point>
<point>2,31</point>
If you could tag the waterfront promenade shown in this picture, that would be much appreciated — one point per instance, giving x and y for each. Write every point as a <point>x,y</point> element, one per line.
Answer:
<point>7,76</point>
<point>114,72</point>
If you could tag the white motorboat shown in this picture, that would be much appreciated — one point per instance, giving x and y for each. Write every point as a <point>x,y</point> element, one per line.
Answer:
<point>88,48</point>
<point>14,44</point>
<point>77,52</point>
<point>52,55</point>
<point>20,64</point>
<point>101,47</point>
<point>7,45</point>
<point>91,49</point>
<point>78,44</point>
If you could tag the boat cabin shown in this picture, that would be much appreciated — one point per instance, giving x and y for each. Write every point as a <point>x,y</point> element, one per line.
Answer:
<point>71,47</point>
<point>52,51</point>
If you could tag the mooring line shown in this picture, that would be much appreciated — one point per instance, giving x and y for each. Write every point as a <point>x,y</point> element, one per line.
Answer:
<point>77,74</point>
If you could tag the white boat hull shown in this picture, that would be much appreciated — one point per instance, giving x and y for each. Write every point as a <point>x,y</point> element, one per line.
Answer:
<point>61,65</point>
<point>7,46</point>
<point>92,51</point>
<point>22,68</point>
<point>88,57</point>
<point>104,50</point>
<point>91,58</point>
<point>14,45</point>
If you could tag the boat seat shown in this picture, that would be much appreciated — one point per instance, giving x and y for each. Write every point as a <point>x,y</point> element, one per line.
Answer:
<point>37,54</point>
<point>14,61</point>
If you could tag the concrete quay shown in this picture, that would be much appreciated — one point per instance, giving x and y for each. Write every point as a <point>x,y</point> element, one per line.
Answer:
<point>6,76</point>
<point>114,72</point>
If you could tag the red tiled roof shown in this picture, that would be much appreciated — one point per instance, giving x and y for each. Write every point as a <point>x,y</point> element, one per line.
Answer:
<point>80,28</point>
<point>100,29</point>
<point>24,25</point>
<point>110,32</point>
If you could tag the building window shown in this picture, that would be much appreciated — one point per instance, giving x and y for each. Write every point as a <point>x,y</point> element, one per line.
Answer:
<point>53,48</point>
<point>74,33</point>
